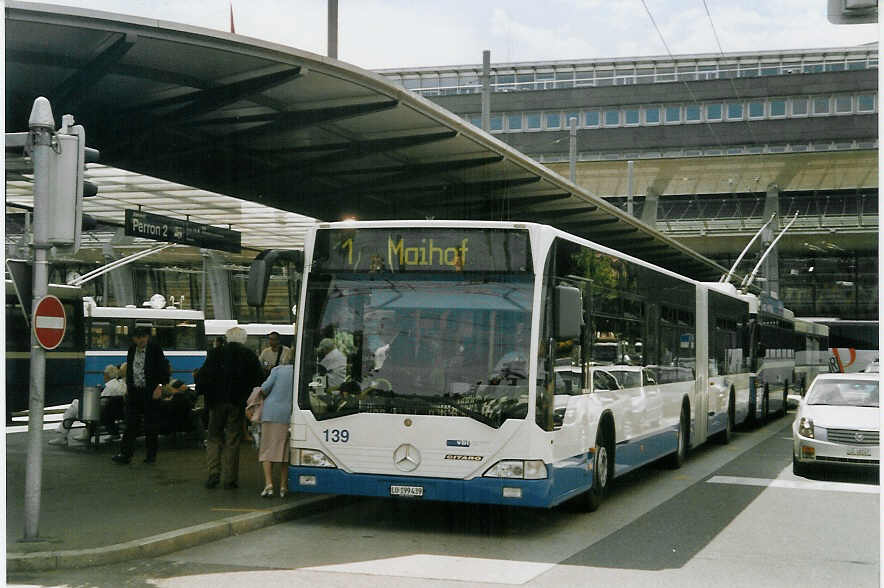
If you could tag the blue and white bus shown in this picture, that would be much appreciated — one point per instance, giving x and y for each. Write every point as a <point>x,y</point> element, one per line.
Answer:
<point>181,333</point>
<point>64,364</point>
<point>429,357</point>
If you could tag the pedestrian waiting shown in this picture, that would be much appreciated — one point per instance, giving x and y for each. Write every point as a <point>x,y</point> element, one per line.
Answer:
<point>275,415</point>
<point>227,378</point>
<point>146,375</point>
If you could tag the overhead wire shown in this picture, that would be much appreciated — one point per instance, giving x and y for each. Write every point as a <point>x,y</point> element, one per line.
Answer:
<point>731,80</point>
<point>694,99</point>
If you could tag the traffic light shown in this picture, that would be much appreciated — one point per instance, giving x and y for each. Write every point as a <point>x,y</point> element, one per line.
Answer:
<point>67,185</point>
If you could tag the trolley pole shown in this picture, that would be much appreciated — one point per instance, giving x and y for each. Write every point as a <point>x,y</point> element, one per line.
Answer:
<point>42,129</point>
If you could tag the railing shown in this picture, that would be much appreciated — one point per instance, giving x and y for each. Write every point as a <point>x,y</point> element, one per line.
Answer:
<point>814,224</point>
<point>671,74</point>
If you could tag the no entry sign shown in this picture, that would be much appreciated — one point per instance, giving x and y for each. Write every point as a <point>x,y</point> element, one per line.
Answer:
<point>49,322</point>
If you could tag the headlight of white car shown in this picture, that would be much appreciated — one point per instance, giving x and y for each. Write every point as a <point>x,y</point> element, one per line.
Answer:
<point>805,427</point>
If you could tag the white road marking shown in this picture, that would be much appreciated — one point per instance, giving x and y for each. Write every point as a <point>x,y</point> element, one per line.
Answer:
<point>796,485</point>
<point>443,567</point>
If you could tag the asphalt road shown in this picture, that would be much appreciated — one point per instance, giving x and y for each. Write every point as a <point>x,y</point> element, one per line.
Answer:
<point>733,515</point>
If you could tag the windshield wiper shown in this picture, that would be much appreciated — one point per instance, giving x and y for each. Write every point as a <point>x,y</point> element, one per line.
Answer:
<point>435,402</point>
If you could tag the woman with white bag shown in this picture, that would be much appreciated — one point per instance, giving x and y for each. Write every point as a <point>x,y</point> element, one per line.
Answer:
<point>275,415</point>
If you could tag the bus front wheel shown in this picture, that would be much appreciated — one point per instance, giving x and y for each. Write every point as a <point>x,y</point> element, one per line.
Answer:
<point>602,470</point>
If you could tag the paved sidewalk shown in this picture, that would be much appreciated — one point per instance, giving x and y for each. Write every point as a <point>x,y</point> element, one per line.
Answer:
<point>94,511</point>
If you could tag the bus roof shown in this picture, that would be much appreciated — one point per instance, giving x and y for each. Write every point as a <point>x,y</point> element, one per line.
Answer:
<point>220,326</point>
<point>132,312</point>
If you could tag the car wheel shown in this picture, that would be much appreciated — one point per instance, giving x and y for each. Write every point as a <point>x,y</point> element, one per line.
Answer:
<point>675,460</point>
<point>602,472</point>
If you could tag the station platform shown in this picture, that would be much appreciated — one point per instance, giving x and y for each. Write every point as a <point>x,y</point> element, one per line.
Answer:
<point>94,511</point>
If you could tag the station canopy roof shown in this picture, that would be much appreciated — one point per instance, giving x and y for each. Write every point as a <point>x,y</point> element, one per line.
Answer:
<point>236,126</point>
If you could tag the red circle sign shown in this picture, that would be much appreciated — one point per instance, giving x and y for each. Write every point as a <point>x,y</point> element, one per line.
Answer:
<point>49,322</point>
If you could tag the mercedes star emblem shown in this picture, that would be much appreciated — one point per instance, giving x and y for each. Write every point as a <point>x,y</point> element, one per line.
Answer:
<point>859,436</point>
<point>407,457</point>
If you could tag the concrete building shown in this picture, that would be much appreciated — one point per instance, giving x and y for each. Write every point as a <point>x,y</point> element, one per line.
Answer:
<point>719,143</point>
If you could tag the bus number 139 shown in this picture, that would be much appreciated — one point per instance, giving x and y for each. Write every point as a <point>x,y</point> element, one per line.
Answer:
<point>336,435</point>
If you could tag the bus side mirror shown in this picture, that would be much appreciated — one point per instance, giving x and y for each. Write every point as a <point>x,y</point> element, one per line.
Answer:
<point>262,266</point>
<point>568,313</point>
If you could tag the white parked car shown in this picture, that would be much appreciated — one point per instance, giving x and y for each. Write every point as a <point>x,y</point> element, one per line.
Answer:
<point>837,423</point>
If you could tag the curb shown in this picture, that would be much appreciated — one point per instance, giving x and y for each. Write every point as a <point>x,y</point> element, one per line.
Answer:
<point>168,542</point>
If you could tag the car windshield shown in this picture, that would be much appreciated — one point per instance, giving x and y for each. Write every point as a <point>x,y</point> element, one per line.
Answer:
<point>844,393</point>
<point>627,378</point>
<point>445,344</point>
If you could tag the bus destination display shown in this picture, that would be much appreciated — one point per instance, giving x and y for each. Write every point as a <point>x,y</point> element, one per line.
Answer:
<point>379,250</point>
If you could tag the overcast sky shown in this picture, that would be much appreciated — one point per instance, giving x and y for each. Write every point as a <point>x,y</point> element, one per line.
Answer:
<point>399,33</point>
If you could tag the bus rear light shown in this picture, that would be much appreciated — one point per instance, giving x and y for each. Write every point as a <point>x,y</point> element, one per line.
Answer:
<point>528,469</point>
<point>311,458</point>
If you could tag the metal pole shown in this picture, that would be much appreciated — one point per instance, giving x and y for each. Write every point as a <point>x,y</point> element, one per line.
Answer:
<point>630,166</point>
<point>203,295</point>
<point>333,29</point>
<point>572,150</point>
<point>486,90</point>
<point>42,126</point>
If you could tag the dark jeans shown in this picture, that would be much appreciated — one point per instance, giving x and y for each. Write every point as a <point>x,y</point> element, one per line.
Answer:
<point>138,415</point>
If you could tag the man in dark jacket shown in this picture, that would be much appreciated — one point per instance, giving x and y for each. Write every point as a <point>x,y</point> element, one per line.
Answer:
<point>227,379</point>
<point>147,372</point>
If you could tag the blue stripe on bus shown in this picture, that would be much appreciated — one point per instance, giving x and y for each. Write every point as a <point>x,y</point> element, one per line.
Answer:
<point>643,450</point>
<point>182,367</point>
<point>566,479</point>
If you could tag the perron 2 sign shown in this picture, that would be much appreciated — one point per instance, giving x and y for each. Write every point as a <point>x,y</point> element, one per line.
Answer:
<point>173,230</point>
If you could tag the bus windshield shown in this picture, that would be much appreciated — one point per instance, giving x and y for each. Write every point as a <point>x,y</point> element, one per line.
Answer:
<point>447,343</point>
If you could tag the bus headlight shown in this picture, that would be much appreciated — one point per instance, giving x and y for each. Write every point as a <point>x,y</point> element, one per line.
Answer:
<point>805,427</point>
<point>525,469</point>
<point>311,458</point>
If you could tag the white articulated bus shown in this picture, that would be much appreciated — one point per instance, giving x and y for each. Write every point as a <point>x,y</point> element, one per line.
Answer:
<point>465,361</point>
